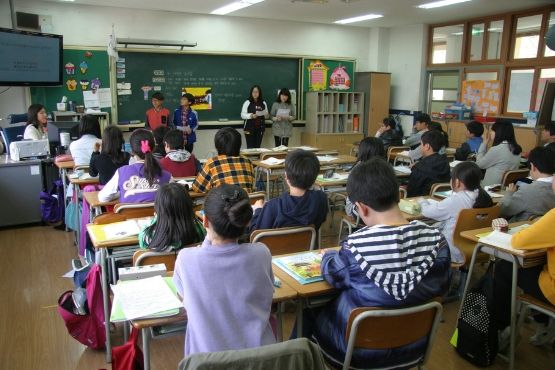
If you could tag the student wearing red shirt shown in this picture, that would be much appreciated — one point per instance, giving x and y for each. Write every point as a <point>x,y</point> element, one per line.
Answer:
<point>157,115</point>
<point>178,161</point>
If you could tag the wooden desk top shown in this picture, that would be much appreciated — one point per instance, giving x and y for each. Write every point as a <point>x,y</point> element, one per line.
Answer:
<point>92,198</point>
<point>85,181</point>
<point>98,238</point>
<point>65,165</point>
<point>472,234</point>
<point>283,293</point>
<point>340,159</point>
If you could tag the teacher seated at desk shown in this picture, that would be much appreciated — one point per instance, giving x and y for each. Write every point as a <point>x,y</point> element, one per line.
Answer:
<point>254,112</point>
<point>137,182</point>
<point>36,123</point>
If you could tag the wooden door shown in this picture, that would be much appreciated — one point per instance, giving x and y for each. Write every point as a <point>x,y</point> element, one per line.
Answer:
<point>378,101</point>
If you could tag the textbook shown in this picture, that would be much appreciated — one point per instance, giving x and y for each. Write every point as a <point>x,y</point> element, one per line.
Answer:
<point>125,229</point>
<point>303,267</point>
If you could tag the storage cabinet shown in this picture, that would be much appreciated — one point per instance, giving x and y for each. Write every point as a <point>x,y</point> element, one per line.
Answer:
<point>333,120</point>
<point>377,88</point>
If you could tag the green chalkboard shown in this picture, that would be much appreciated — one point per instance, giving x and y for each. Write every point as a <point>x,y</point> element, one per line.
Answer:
<point>97,68</point>
<point>228,77</point>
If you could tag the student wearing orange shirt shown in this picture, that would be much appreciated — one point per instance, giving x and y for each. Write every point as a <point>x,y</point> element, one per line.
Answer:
<point>157,115</point>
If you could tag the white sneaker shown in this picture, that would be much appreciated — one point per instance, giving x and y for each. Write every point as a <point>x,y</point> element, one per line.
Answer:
<point>544,333</point>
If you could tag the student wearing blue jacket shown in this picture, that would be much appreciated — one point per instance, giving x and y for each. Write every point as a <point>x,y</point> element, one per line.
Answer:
<point>474,132</point>
<point>300,206</point>
<point>388,263</point>
<point>185,119</point>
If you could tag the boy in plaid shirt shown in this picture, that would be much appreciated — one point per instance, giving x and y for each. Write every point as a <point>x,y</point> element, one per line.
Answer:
<point>228,166</point>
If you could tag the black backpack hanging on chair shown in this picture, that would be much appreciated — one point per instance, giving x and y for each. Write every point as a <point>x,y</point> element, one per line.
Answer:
<point>476,327</point>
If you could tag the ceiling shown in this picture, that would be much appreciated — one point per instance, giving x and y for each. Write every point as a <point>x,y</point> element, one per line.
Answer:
<point>396,12</point>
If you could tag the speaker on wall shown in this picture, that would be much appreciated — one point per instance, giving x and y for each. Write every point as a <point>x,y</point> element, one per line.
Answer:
<point>27,21</point>
<point>550,37</point>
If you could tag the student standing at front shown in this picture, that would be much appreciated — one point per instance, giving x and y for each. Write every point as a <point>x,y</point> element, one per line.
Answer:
<point>227,287</point>
<point>186,119</point>
<point>254,112</point>
<point>157,115</point>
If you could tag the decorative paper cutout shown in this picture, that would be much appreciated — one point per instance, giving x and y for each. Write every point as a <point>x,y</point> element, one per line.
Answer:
<point>317,75</point>
<point>146,89</point>
<point>84,84</point>
<point>88,54</point>
<point>83,67</point>
<point>95,84</point>
<point>71,84</point>
<point>340,79</point>
<point>70,68</point>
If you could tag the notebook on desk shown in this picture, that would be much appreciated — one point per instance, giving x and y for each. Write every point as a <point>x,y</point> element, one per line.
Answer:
<point>303,267</point>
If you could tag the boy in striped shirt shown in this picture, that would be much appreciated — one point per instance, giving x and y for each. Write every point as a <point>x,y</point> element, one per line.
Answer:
<point>388,263</point>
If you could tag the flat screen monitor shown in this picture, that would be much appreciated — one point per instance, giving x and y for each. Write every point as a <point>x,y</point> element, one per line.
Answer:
<point>56,127</point>
<point>30,58</point>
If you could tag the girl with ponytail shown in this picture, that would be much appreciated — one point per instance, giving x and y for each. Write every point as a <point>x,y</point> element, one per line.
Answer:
<point>138,182</point>
<point>466,193</point>
<point>232,281</point>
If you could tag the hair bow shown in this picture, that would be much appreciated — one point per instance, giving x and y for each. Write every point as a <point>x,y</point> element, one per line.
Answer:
<point>145,147</point>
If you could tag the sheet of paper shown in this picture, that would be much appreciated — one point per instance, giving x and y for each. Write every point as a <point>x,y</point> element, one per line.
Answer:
<point>104,98</point>
<point>497,239</point>
<point>402,169</point>
<point>326,158</point>
<point>283,112</point>
<point>185,182</point>
<point>260,113</point>
<point>91,99</point>
<point>123,85</point>
<point>454,164</point>
<point>280,148</point>
<point>124,92</point>
<point>405,153</point>
<point>145,297</point>
<point>122,229</point>
<point>340,176</point>
<point>273,161</point>
<point>307,148</point>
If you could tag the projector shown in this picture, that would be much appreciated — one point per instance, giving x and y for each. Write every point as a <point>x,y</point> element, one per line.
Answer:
<point>29,149</point>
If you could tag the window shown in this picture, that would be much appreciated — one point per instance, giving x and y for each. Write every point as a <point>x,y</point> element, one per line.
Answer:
<point>495,37</point>
<point>476,41</point>
<point>520,90</point>
<point>548,52</point>
<point>444,90</point>
<point>546,74</point>
<point>447,44</point>
<point>527,37</point>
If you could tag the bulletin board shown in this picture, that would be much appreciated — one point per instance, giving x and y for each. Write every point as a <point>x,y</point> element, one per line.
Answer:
<point>482,96</point>
<point>83,68</point>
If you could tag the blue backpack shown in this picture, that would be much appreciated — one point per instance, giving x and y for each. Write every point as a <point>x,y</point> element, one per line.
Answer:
<point>52,203</point>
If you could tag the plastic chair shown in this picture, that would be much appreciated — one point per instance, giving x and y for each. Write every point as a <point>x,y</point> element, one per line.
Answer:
<point>437,187</point>
<point>511,176</point>
<point>376,328</point>
<point>286,240</point>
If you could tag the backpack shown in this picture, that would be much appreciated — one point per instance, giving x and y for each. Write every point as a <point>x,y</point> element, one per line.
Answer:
<point>86,328</point>
<point>52,203</point>
<point>477,330</point>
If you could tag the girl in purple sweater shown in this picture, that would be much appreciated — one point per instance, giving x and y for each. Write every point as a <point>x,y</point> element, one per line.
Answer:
<point>227,287</point>
<point>137,182</point>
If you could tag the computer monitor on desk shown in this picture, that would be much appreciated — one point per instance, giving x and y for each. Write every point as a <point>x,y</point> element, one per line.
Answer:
<point>57,127</point>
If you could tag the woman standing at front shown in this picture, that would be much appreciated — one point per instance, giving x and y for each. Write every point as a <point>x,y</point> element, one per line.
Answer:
<point>36,123</point>
<point>283,113</point>
<point>254,112</point>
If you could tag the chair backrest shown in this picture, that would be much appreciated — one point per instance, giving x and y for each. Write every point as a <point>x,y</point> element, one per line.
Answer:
<point>277,155</point>
<point>257,195</point>
<point>511,176</point>
<point>470,219</point>
<point>125,211</point>
<point>147,257</point>
<point>12,133</point>
<point>377,328</point>
<point>17,118</point>
<point>286,240</point>
<point>402,193</point>
<point>439,186</point>
<point>82,167</point>
<point>392,151</point>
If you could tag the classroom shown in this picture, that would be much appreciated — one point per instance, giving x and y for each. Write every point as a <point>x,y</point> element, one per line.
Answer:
<point>277,184</point>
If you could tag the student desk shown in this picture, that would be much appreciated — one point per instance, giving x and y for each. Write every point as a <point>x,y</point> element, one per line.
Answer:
<point>306,293</point>
<point>255,153</point>
<point>268,169</point>
<point>281,294</point>
<point>102,244</point>
<point>519,258</point>
<point>77,184</point>
<point>63,168</point>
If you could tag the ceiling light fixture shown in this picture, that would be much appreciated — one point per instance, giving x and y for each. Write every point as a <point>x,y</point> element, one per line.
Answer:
<point>359,18</point>
<point>437,4</point>
<point>237,5</point>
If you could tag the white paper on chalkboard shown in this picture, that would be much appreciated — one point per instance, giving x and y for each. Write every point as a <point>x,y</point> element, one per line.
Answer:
<point>124,92</point>
<point>123,85</point>
<point>35,170</point>
<point>91,99</point>
<point>105,97</point>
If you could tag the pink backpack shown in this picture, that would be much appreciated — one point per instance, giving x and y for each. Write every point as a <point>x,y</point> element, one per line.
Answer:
<point>87,329</point>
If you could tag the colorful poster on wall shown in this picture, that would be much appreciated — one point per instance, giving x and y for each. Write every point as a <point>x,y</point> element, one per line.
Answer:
<point>317,76</point>
<point>340,79</point>
<point>482,96</point>
<point>203,97</point>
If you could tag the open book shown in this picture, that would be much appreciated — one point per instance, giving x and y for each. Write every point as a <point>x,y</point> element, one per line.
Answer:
<point>502,240</point>
<point>303,267</point>
<point>273,161</point>
<point>125,229</point>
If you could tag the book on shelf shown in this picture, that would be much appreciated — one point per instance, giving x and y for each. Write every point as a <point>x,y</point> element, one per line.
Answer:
<point>349,125</point>
<point>355,123</point>
<point>341,108</point>
<point>303,267</point>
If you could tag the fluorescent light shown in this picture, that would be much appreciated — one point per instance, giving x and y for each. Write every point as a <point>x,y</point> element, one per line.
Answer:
<point>226,9</point>
<point>437,4</point>
<point>359,18</point>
